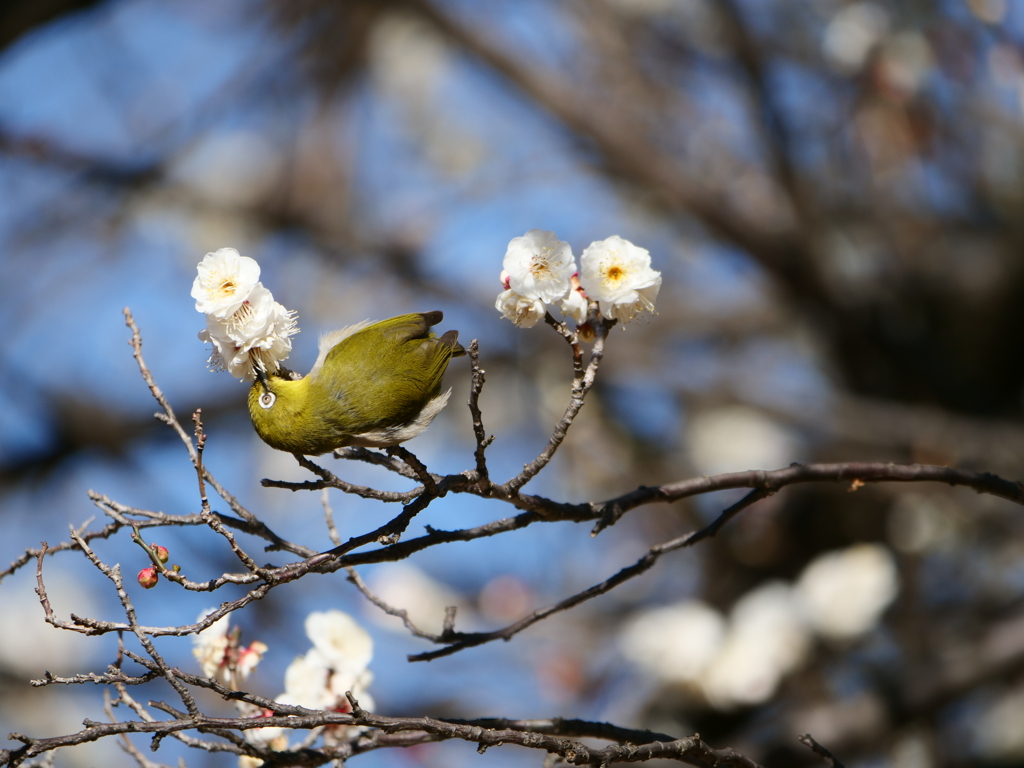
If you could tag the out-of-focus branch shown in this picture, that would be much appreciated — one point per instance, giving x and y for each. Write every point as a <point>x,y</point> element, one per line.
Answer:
<point>20,17</point>
<point>774,130</point>
<point>808,741</point>
<point>629,155</point>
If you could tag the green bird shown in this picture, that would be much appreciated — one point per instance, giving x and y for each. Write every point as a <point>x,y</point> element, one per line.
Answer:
<point>372,385</point>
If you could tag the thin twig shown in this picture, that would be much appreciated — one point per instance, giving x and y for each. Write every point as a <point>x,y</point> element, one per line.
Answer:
<point>482,440</point>
<point>808,741</point>
<point>390,610</point>
<point>645,563</point>
<point>332,530</point>
<point>583,380</point>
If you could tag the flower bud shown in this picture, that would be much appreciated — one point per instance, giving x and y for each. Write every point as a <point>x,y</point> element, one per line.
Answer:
<point>148,577</point>
<point>161,552</point>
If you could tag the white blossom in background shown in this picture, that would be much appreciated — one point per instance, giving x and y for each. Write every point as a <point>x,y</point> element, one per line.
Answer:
<point>766,640</point>
<point>306,682</point>
<point>273,737</point>
<point>345,646</point>
<point>674,643</point>
<point>998,733</point>
<point>247,328</point>
<point>210,647</point>
<point>852,34</point>
<point>618,275</point>
<point>736,437</point>
<point>221,655</point>
<point>225,280</point>
<point>844,593</point>
<point>539,266</point>
<point>337,663</point>
<point>422,596</point>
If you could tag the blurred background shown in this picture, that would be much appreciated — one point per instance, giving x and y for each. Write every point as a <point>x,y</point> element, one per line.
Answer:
<point>833,193</point>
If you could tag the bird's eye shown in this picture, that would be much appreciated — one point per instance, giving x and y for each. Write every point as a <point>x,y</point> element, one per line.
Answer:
<point>267,399</point>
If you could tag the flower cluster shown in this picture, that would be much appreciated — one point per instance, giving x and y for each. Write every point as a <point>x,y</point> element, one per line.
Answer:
<point>741,659</point>
<point>337,663</point>
<point>248,329</point>
<point>539,269</point>
<point>319,679</point>
<point>220,652</point>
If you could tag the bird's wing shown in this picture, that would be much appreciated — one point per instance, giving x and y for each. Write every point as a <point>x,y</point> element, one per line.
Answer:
<point>331,339</point>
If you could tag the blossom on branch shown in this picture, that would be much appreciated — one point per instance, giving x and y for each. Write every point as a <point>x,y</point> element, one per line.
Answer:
<point>249,331</point>
<point>575,304</point>
<point>539,269</point>
<point>335,665</point>
<point>539,266</point>
<point>521,310</point>
<point>224,282</point>
<point>219,651</point>
<point>618,275</point>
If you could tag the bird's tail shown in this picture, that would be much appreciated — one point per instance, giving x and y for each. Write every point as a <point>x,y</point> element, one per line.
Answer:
<point>451,340</point>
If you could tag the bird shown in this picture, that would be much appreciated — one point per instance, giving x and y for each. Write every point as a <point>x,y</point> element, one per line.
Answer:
<point>373,385</point>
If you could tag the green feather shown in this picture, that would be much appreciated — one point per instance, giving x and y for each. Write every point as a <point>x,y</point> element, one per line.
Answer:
<point>372,385</point>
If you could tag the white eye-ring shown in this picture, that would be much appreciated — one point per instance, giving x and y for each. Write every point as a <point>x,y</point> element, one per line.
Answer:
<point>267,400</point>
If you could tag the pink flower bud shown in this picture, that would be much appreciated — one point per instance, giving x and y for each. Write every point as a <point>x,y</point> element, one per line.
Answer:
<point>161,552</point>
<point>148,577</point>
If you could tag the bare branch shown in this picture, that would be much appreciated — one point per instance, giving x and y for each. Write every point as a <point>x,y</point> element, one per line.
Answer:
<point>808,741</point>
<point>582,381</point>
<point>645,563</point>
<point>390,609</point>
<point>482,440</point>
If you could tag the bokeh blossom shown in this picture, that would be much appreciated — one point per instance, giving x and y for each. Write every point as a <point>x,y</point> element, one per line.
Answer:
<point>221,655</point>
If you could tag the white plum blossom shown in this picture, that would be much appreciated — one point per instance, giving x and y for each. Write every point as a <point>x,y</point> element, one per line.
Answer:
<point>539,269</point>
<point>575,304</point>
<point>346,647</point>
<point>250,332</point>
<point>845,592</point>
<point>336,665</point>
<point>306,682</point>
<point>221,655</point>
<point>256,335</point>
<point>618,275</point>
<point>539,266</point>
<point>224,282</point>
<point>766,640</point>
<point>210,646</point>
<point>675,642</point>
<point>272,736</point>
<point>521,310</point>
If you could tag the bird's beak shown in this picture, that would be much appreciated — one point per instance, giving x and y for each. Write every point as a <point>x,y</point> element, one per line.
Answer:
<point>261,377</point>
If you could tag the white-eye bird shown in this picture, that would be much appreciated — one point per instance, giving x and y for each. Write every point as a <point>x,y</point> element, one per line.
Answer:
<point>372,385</point>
